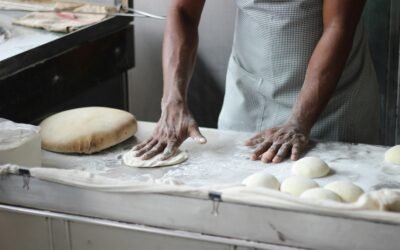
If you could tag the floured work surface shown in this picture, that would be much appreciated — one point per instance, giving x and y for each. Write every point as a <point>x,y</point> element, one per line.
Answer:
<point>223,160</point>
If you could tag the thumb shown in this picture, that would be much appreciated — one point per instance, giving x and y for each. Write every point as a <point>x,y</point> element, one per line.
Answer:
<point>195,134</point>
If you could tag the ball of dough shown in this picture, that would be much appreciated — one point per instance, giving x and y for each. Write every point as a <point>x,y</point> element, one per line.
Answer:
<point>311,167</point>
<point>86,130</point>
<point>320,194</point>
<point>262,179</point>
<point>346,190</point>
<point>296,185</point>
<point>392,155</point>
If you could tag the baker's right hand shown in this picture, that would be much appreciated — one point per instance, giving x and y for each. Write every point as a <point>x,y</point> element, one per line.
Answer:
<point>174,127</point>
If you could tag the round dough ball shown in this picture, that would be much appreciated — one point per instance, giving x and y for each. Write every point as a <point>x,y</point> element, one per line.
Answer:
<point>320,194</point>
<point>392,155</point>
<point>346,190</point>
<point>296,185</point>
<point>262,179</point>
<point>311,167</point>
<point>86,130</point>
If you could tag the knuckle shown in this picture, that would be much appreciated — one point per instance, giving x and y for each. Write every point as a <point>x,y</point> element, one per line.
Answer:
<point>275,147</point>
<point>286,145</point>
<point>261,147</point>
<point>140,152</point>
<point>282,151</point>
<point>154,151</point>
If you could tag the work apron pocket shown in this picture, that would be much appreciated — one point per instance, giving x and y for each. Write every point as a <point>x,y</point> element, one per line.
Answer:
<point>243,104</point>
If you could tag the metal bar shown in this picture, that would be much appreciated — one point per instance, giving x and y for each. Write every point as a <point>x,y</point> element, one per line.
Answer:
<point>50,232</point>
<point>145,13</point>
<point>90,13</point>
<point>68,234</point>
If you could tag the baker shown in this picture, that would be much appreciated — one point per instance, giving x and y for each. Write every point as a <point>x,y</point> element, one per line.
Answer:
<point>298,70</point>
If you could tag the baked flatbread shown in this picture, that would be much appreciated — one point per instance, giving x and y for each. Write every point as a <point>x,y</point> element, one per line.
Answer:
<point>86,130</point>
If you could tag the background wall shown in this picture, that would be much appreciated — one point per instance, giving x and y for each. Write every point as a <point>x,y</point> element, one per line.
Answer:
<point>382,19</point>
<point>207,86</point>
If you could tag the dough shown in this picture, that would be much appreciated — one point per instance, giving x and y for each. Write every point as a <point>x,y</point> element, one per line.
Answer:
<point>19,144</point>
<point>392,155</point>
<point>296,185</point>
<point>346,190</point>
<point>311,167</point>
<point>320,194</point>
<point>86,130</point>
<point>261,179</point>
<point>132,161</point>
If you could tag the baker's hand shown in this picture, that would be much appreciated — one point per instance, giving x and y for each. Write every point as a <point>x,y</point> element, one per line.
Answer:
<point>174,127</point>
<point>276,144</point>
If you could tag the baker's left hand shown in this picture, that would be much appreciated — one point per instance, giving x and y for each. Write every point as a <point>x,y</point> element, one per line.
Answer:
<point>276,144</point>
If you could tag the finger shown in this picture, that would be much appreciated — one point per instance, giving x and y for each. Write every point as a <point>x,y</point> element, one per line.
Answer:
<point>297,150</point>
<point>282,153</point>
<point>142,144</point>
<point>270,154</point>
<point>195,134</point>
<point>257,139</point>
<point>146,148</point>
<point>170,150</point>
<point>262,148</point>
<point>154,151</point>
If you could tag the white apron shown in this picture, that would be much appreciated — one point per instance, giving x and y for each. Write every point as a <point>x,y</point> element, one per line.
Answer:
<point>273,42</point>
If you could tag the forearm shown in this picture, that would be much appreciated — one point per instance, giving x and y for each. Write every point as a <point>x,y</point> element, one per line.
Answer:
<point>179,54</point>
<point>323,73</point>
<point>328,60</point>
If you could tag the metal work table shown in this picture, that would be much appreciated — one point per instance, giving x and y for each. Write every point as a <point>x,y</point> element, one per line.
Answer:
<point>28,46</point>
<point>48,71</point>
<point>67,217</point>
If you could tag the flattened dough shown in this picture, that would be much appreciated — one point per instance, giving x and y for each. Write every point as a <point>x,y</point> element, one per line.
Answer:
<point>348,191</point>
<point>296,185</point>
<point>130,160</point>
<point>86,130</point>
<point>320,194</point>
<point>392,155</point>
<point>262,179</point>
<point>311,167</point>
